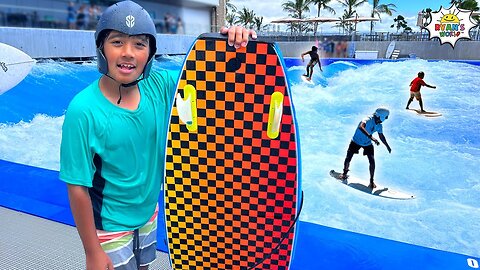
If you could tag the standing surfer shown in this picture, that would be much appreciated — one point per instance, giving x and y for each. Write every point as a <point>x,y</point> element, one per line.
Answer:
<point>415,86</point>
<point>363,139</point>
<point>314,59</point>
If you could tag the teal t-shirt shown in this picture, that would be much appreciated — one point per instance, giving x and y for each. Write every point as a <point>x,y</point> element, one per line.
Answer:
<point>119,154</point>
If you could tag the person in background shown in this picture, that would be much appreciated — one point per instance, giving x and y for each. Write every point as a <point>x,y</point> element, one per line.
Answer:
<point>314,59</point>
<point>93,16</point>
<point>81,20</point>
<point>180,29</point>
<point>112,154</point>
<point>71,14</point>
<point>363,138</point>
<point>415,86</point>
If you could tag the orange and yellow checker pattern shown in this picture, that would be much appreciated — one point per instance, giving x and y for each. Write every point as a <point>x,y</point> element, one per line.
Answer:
<point>230,191</point>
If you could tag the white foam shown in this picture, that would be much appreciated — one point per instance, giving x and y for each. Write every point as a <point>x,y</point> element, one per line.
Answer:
<point>35,143</point>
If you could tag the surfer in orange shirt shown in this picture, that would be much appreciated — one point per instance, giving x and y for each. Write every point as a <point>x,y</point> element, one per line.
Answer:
<point>415,86</point>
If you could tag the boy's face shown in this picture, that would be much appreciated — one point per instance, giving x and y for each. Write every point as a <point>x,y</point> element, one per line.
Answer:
<point>126,55</point>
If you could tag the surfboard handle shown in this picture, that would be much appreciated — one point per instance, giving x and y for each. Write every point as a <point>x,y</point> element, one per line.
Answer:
<point>275,115</point>
<point>187,107</point>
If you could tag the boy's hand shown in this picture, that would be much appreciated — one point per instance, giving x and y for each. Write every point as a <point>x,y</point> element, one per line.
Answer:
<point>238,35</point>
<point>98,260</point>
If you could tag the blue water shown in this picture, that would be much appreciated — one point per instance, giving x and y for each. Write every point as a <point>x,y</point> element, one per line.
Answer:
<point>435,159</point>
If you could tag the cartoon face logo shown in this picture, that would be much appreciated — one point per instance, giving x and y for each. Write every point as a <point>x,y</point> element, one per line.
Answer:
<point>450,18</point>
<point>450,25</point>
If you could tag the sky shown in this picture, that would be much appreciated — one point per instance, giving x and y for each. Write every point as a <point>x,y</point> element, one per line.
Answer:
<point>272,9</point>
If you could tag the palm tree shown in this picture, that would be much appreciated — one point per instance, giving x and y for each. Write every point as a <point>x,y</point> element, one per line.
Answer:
<point>468,5</point>
<point>351,5</point>
<point>230,7</point>
<point>258,21</point>
<point>230,10</point>
<point>342,24</point>
<point>230,18</point>
<point>350,11</point>
<point>379,9</point>
<point>400,22</point>
<point>321,4</point>
<point>246,17</point>
<point>297,9</point>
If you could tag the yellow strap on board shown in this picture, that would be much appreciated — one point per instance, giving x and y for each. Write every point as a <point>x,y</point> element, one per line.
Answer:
<point>275,115</point>
<point>187,107</point>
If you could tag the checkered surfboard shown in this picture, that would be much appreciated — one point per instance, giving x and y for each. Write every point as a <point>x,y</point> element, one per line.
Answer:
<point>232,192</point>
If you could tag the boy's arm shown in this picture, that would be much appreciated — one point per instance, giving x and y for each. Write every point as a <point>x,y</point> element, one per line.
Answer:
<point>384,140</point>
<point>82,211</point>
<point>431,86</point>
<point>364,131</point>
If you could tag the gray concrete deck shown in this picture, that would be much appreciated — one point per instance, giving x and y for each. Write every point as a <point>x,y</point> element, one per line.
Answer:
<point>28,242</point>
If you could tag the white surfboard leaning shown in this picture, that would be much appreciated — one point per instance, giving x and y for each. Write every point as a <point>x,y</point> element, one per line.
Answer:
<point>426,113</point>
<point>14,66</point>
<point>390,49</point>
<point>362,185</point>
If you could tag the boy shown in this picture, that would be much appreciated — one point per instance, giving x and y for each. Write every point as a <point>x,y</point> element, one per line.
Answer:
<point>363,139</point>
<point>314,59</point>
<point>415,86</point>
<point>113,142</point>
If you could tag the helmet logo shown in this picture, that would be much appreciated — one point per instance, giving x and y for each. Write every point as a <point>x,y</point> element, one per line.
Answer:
<point>130,21</point>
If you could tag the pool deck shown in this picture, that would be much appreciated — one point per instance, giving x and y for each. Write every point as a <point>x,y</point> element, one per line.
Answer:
<point>30,242</point>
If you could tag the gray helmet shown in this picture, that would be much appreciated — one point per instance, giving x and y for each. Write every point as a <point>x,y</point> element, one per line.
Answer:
<point>129,18</point>
<point>382,113</point>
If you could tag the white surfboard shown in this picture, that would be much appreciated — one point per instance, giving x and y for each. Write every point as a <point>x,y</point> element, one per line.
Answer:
<point>390,49</point>
<point>14,66</point>
<point>305,80</point>
<point>380,191</point>
<point>426,113</point>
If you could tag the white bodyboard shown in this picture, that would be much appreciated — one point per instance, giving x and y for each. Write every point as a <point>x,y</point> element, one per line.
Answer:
<point>379,191</point>
<point>14,66</point>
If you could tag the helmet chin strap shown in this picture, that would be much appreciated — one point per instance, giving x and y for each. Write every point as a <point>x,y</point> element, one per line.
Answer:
<point>125,85</point>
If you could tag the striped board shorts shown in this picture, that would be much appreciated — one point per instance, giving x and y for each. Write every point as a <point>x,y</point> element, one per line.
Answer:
<point>129,250</point>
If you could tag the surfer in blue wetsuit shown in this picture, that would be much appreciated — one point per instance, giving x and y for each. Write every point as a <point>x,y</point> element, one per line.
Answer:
<point>314,59</point>
<point>112,154</point>
<point>363,138</point>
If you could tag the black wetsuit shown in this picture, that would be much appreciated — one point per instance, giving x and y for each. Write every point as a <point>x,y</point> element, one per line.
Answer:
<point>314,59</point>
